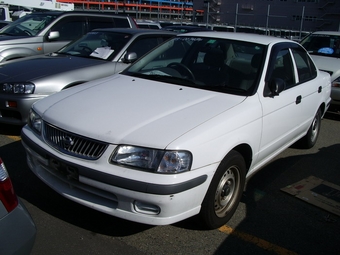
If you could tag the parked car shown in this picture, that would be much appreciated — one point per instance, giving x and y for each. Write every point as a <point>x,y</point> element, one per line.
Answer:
<point>17,229</point>
<point>100,53</point>
<point>180,131</point>
<point>324,47</point>
<point>185,28</point>
<point>44,32</point>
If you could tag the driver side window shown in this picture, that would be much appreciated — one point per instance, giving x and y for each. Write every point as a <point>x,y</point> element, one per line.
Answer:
<point>283,68</point>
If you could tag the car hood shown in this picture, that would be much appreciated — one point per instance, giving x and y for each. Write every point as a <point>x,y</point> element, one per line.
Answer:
<point>36,67</point>
<point>328,64</point>
<point>4,37</point>
<point>125,110</point>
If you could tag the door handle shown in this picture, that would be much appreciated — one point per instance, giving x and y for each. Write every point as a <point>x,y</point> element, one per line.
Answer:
<point>298,99</point>
<point>320,89</point>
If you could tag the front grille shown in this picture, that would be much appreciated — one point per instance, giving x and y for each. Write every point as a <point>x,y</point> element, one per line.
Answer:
<point>72,144</point>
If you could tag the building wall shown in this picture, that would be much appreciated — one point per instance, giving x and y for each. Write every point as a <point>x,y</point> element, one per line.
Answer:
<point>280,14</point>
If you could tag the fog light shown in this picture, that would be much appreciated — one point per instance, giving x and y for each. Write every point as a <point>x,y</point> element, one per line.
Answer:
<point>12,104</point>
<point>146,208</point>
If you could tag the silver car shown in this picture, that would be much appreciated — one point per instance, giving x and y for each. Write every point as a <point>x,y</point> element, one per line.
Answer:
<point>17,229</point>
<point>98,54</point>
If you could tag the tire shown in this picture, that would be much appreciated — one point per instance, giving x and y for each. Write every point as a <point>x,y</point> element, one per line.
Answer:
<point>309,140</point>
<point>224,192</point>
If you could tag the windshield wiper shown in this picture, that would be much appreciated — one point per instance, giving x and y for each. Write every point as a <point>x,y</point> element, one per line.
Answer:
<point>6,34</point>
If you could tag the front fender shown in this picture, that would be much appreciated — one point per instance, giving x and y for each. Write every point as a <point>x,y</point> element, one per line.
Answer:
<point>19,52</point>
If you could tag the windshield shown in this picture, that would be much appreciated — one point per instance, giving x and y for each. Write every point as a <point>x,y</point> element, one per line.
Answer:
<point>221,65</point>
<point>29,25</point>
<point>104,45</point>
<point>321,44</point>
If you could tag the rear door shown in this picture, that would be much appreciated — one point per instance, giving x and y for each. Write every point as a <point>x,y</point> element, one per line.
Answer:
<point>282,114</point>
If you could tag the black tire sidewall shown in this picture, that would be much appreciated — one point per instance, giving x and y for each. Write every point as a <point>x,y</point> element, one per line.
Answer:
<point>208,215</point>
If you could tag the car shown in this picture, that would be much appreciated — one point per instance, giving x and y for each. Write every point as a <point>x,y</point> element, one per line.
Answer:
<point>180,131</point>
<point>324,47</point>
<point>48,31</point>
<point>17,228</point>
<point>185,28</point>
<point>99,53</point>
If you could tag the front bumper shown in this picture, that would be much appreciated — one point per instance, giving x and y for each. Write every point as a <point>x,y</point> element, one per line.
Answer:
<point>149,198</point>
<point>17,115</point>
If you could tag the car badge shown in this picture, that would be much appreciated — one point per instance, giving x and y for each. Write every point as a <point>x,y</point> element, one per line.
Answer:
<point>67,142</point>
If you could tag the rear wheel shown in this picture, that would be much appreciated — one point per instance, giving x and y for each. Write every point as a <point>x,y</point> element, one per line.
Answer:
<point>225,191</point>
<point>309,140</point>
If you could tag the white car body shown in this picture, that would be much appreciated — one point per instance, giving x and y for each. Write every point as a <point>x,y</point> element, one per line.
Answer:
<point>128,110</point>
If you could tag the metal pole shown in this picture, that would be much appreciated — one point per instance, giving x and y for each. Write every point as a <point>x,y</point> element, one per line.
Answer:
<point>208,8</point>
<point>302,17</point>
<point>236,17</point>
<point>182,15</point>
<point>267,19</point>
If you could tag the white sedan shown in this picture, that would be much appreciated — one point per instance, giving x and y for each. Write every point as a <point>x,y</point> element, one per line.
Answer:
<point>180,131</point>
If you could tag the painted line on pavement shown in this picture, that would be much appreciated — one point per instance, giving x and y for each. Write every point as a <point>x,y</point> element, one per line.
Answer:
<point>257,241</point>
<point>15,138</point>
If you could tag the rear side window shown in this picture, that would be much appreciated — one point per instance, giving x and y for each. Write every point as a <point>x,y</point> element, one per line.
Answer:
<point>305,67</point>
<point>121,22</point>
<point>144,44</point>
<point>107,22</point>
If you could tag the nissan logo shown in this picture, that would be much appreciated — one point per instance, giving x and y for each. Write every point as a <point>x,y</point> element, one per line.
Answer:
<point>67,142</point>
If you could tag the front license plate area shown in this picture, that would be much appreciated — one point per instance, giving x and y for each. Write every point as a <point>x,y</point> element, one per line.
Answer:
<point>70,172</point>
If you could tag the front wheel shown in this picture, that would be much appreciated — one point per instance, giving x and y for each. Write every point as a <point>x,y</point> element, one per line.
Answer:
<point>225,191</point>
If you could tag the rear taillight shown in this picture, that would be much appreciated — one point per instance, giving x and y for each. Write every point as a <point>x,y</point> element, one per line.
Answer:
<point>7,194</point>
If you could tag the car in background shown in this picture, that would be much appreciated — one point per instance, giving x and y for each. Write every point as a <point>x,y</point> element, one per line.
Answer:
<point>324,47</point>
<point>99,53</point>
<point>185,28</point>
<point>17,229</point>
<point>48,31</point>
<point>179,131</point>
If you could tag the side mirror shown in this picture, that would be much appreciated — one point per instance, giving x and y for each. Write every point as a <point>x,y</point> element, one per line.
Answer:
<point>53,35</point>
<point>130,57</point>
<point>276,86</point>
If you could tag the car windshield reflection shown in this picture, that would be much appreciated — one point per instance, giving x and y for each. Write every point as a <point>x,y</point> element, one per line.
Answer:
<point>209,63</point>
<point>101,45</point>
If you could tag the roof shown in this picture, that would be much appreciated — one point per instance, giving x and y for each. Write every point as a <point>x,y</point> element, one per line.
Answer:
<point>255,38</point>
<point>185,28</point>
<point>59,13</point>
<point>135,31</point>
<point>327,32</point>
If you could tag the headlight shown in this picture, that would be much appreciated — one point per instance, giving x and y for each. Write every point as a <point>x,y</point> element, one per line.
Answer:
<point>159,161</point>
<point>336,82</point>
<point>35,121</point>
<point>18,88</point>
